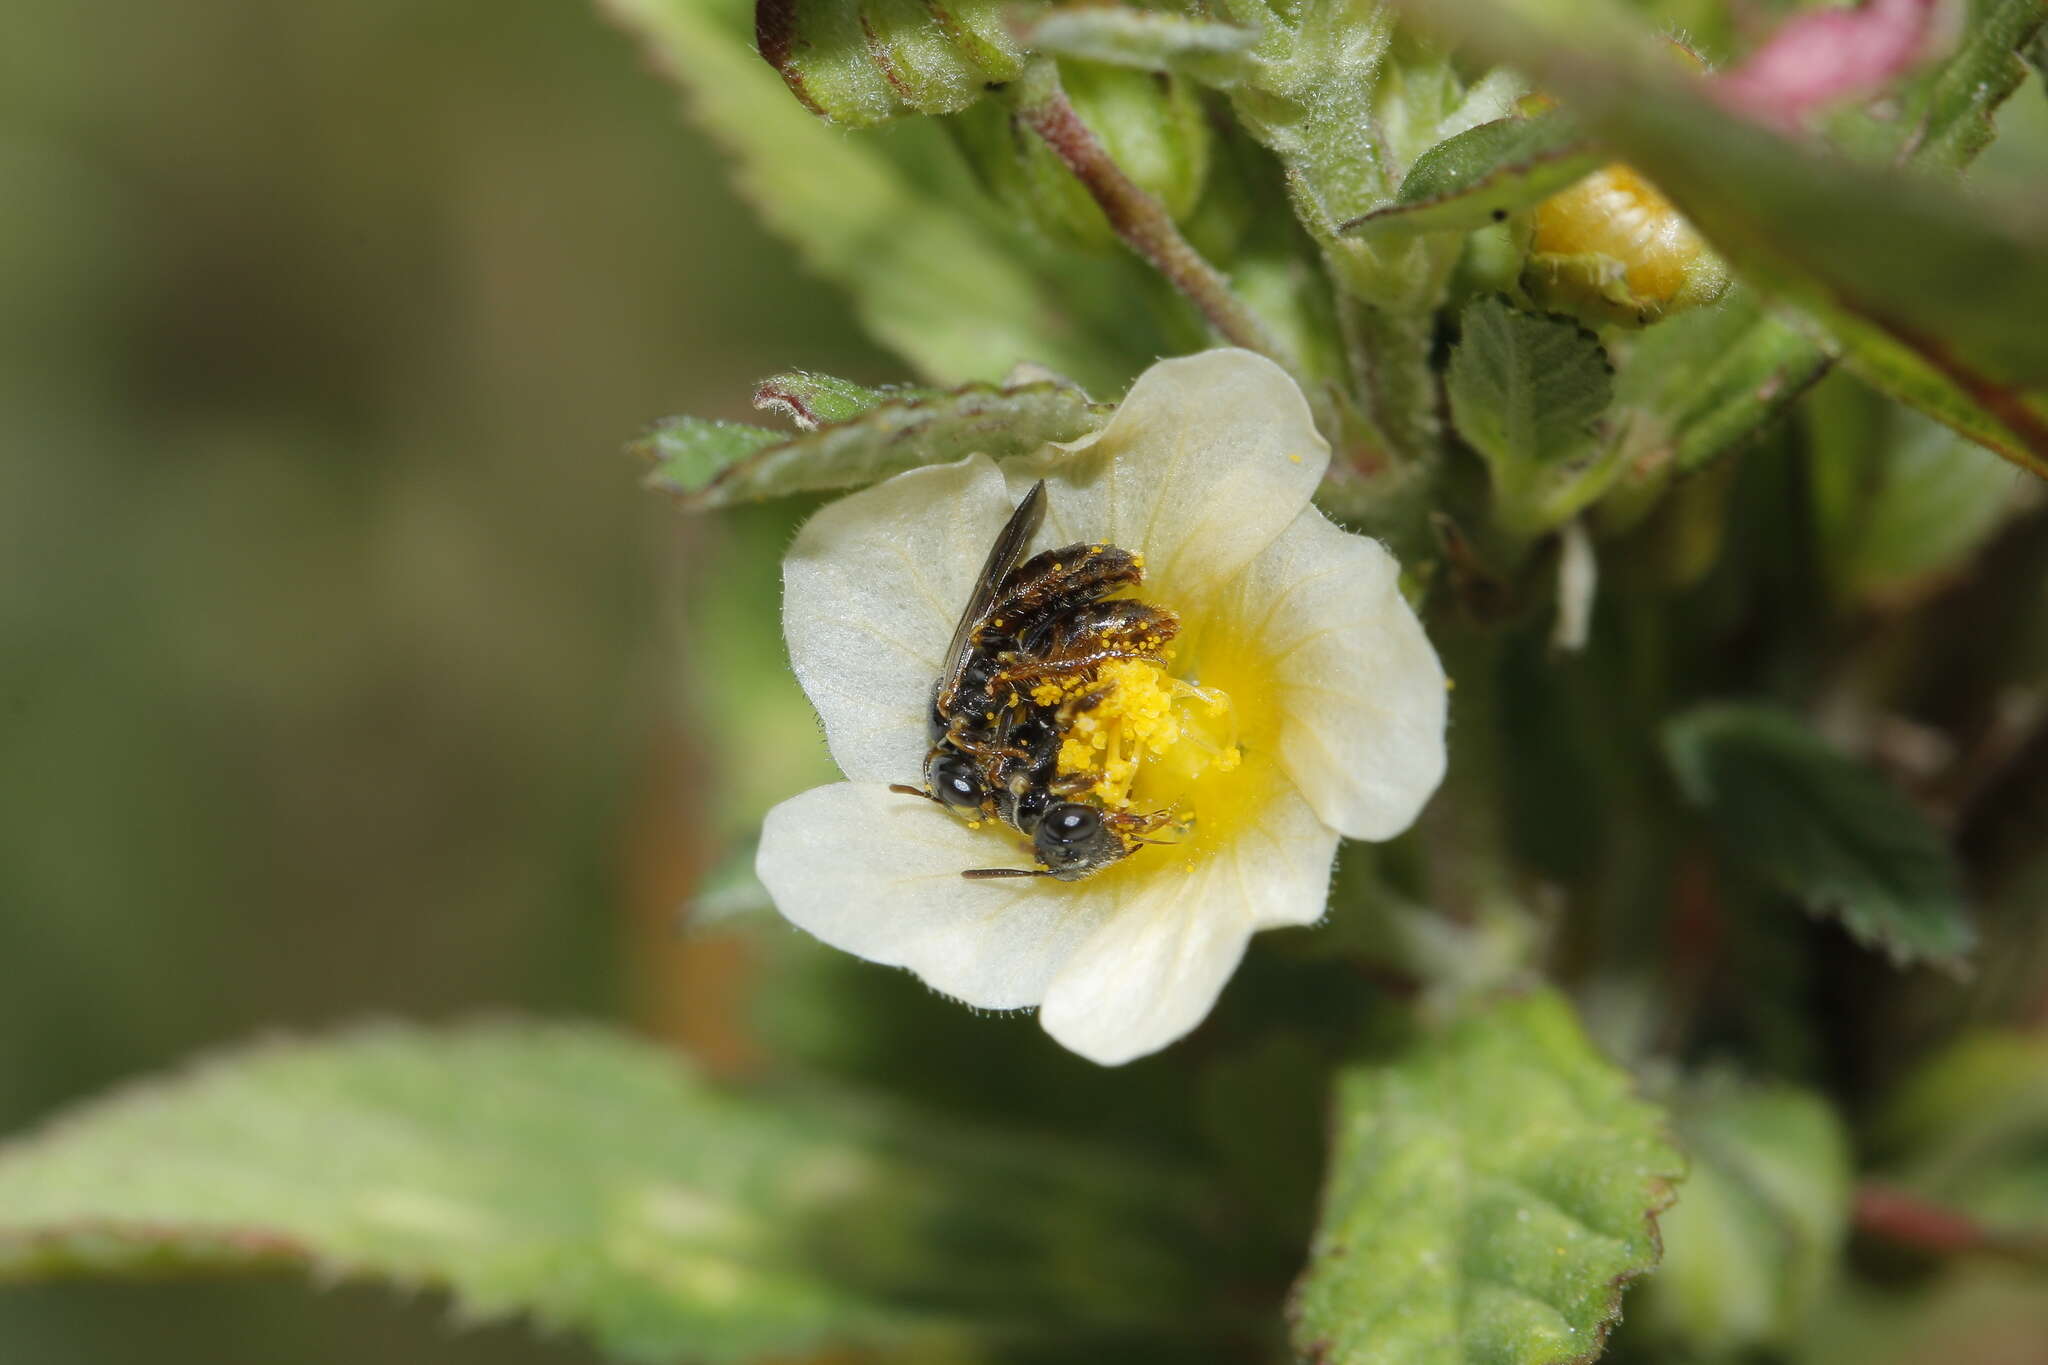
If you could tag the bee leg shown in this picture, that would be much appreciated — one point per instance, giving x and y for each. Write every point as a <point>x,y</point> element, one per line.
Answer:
<point>987,874</point>
<point>1131,826</point>
<point>1087,638</point>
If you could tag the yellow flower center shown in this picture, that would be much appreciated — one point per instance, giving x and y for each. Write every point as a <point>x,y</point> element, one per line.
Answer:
<point>1191,738</point>
<point>1147,724</point>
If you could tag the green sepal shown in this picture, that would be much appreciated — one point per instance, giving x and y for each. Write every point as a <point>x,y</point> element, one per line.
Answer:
<point>1695,386</point>
<point>1483,175</point>
<point>1494,1186</point>
<point>1824,830</point>
<point>710,464</point>
<point>864,62</point>
<point>1756,1239</point>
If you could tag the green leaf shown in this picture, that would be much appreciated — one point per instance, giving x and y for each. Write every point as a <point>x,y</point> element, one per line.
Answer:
<point>1884,258</point>
<point>1900,502</point>
<point>1482,175</point>
<point>1969,1128</point>
<point>1525,391</point>
<point>594,1184</point>
<point>959,295</point>
<point>1697,385</point>
<point>1996,419</point>
<point>1492,1190</point>
<point>1150,40</point>
<point>714,464</point>
<point>1757,1238</point>
<point>1940,117</point>
<point>864,62</point>
<point>1827,831</point>
<point>1525,388</point>
<point>814,400</point>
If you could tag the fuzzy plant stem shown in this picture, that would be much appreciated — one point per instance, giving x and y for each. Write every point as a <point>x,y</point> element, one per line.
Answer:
<point>1139,219</point>
<point>1906,1219</point>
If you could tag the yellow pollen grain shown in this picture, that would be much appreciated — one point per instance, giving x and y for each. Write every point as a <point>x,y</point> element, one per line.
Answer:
<point>1136,719</point>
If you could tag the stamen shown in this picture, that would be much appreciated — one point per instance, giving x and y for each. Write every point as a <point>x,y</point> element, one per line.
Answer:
<point>1144,726</point>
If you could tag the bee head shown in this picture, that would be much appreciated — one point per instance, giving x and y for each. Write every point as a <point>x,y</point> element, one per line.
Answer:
<point>1072,841</point>
<point>952,778</point>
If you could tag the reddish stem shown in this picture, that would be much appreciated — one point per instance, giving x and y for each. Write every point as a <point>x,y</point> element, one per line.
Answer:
<point>1139,219</point>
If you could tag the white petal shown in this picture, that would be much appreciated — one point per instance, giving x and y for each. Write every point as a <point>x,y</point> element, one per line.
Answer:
<point>1208,458</point>
<point>1154,970</point>
<point>877,873</point>
<point>871,591</point>
<point>1359,686</point>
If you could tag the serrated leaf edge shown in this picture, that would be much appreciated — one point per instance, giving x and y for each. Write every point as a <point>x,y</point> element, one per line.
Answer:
<point>705,495</point>
<point>1663,1193</point>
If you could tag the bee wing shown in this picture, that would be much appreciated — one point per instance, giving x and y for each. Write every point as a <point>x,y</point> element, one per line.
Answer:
<point>1002,557</point>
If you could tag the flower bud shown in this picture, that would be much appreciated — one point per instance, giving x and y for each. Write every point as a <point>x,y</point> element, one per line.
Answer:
<point>1613,249</point>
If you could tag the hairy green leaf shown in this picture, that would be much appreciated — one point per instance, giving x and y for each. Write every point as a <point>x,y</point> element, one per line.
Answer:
<point>814,400</point>
<point>1696,385</point>
<point>961,296</point>
<point>1525,391</point>
<point>1940,117</point>
<point>1151,40</point>
<point>1998,419</point>
<point>1883,257</point>
<point>592,1183</point>
<point>713,464</point>
<point>863,62</point>
<point>1493,1188</point>
<point>1482,175</point>
<point>1757,1237</point>
<point>1525,388</point>
<point>1825,830</point>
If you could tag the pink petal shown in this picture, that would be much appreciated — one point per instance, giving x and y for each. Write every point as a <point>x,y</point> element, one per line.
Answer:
<point>1817,59</point>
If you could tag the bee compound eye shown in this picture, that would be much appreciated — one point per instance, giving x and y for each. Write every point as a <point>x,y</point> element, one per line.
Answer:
<point>954,781</point>
<point>1069,824</point>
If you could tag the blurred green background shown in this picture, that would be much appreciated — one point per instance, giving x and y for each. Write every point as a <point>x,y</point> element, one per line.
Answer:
<point>344,668</point>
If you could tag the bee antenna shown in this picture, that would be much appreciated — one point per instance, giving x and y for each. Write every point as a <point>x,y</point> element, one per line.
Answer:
<point>913,791</point>
<point>984,874</point>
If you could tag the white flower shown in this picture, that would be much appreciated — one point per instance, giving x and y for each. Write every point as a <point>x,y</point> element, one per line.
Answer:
<point>1320,712</point>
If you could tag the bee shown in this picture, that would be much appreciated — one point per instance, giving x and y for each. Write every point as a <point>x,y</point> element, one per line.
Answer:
<point>1021,667</point>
